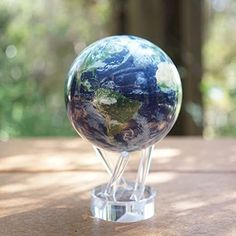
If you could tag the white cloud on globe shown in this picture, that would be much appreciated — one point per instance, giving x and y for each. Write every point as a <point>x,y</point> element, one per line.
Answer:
<point>167,74</point>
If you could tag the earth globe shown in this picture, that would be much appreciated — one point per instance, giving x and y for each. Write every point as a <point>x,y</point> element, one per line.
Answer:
<point>123,94</point>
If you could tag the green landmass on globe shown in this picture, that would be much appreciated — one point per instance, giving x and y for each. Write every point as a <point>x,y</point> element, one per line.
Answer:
<point>117,108</point>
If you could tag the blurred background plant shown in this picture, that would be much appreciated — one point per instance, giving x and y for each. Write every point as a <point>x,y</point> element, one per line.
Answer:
<point>219,80</point>
<point>38,42</point>
<point>40,39</point>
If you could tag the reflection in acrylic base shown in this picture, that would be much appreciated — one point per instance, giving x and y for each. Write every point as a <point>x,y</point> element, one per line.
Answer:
<point>122,211</point>
<point>120,200</point>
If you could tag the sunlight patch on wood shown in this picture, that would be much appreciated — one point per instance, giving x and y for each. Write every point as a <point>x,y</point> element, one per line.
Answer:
<point>187,205</point>
<point>157,178</point>
<point>165,152</point>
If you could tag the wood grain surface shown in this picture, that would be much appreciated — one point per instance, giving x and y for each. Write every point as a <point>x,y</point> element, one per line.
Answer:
<point>45,188</point>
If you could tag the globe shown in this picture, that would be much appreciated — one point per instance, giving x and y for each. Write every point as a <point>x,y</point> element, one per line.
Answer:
<point>123,93</point>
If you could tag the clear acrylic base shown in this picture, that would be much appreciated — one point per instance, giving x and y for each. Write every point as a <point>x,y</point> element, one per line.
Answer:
<point>121,208</point>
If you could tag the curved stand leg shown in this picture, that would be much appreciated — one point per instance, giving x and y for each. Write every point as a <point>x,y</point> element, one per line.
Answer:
<point>143,171</point>
<point>109,168</point>
<point>104,160</point>
<point>110,190</point>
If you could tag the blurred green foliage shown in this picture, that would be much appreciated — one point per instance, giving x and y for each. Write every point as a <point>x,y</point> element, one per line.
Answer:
<point>38,42</point>
<point>219,81</point>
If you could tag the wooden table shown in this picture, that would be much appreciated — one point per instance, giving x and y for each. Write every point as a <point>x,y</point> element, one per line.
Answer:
<point>45,188</point>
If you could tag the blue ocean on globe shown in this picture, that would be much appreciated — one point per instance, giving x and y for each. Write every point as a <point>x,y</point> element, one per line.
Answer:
<point>123,93</point>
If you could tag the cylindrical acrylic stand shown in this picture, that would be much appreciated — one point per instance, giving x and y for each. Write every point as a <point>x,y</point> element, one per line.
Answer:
<point>122,201</point>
